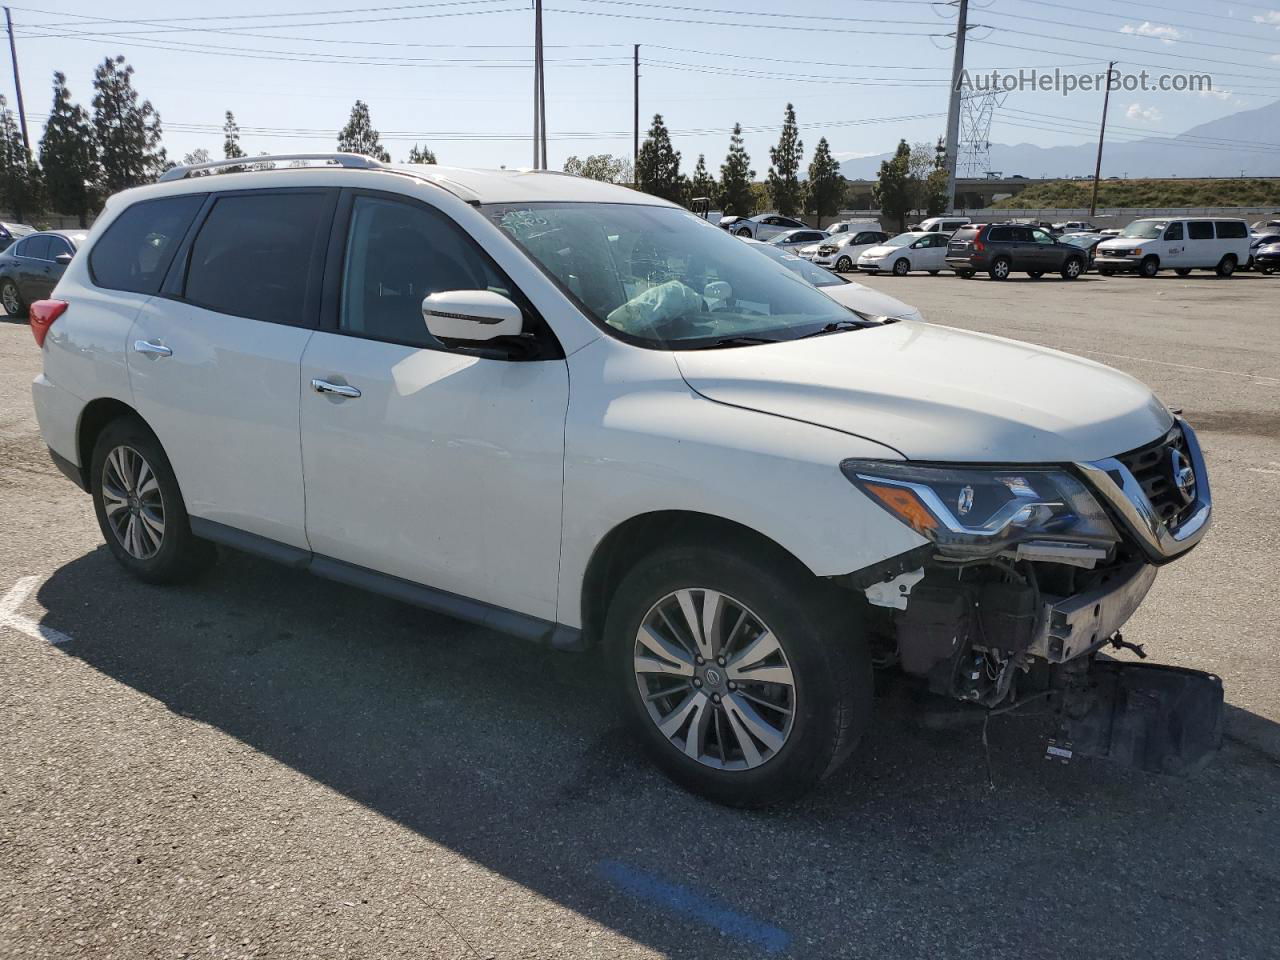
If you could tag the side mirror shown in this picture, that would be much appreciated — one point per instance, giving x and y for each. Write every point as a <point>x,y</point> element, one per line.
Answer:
<point>474,316</point>
<point>62,258</point>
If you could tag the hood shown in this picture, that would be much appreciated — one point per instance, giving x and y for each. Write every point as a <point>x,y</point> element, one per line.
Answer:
<point>855,296</point>
<point>876,253</point>
<point>937,393</point>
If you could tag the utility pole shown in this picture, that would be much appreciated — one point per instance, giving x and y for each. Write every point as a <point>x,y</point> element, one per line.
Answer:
<point>537,92</point>
<point>1102,132</point>
<point>953,110</point>
<point>635,119</point>
<point>542,86</point>
<point>17,80</point>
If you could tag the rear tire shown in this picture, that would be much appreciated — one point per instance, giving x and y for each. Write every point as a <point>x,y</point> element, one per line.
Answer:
<point>818,648</point>
<point>1149,267</point>
<point>934,273</point>
<point>1227,265</point>
<point>139,506</point>
<point>964,274</point>
<point>1106,272</point>
<point>901,267</point>
<point>1000,268</point>
<point>12,299</point>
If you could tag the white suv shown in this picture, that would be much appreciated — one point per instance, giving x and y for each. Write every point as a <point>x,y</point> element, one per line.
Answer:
<point>583,415</point>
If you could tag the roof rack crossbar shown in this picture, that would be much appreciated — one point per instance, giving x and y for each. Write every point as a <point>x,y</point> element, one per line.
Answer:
<point>353,161</point>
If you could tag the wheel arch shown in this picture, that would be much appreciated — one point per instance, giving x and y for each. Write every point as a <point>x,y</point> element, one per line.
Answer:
<point>93,420</point>
<point>623,546</point>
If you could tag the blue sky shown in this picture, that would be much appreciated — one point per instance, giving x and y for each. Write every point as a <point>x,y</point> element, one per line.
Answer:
<point>455,75</point>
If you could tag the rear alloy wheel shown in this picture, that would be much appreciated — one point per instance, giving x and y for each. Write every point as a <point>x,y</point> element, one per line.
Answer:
<point>746,680</point>
<point>1000,269</point>
<point>11,299</point>
<point>1182,271</point>
<point>1266,271</point>
<point>844,265</point>
<point>139,506</point>
<point>1072,269</point>
<point>1149,267</point>
<point>901,267</point>
<point>1227,266</point>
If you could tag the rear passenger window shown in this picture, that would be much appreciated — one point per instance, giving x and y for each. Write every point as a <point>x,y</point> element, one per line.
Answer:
<point>398,254</point>
<point>1199,230</point>
<point>254,255</point>
<point>1231,230</point>
<point>37,248</point>
<point>135,251</point>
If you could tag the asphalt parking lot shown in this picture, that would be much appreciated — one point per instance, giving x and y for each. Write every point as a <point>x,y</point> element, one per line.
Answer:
<point>264,764</point>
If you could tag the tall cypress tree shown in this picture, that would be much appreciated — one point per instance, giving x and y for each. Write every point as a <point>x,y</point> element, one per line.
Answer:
<point>826,186</point>
<point>127,132</point>
<point>358,136</point>
<point>19,175</point>
<point>702,183</point>
<point>68,155</point>
<point>784,167</point>
<point>658,167</point>
<point>419,154</point>
<point>736,196</point>
<point>231,138</point>
<point>895,192</point>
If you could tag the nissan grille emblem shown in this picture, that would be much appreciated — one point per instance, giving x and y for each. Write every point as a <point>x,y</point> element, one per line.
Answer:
<point>1184,475</point>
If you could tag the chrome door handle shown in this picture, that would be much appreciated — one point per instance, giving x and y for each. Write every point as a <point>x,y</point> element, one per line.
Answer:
<point>337,389</point>
<point>152,349</point>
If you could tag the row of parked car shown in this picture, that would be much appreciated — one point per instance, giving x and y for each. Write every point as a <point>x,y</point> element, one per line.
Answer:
<point>32,263</point>
<point>1069,249</point>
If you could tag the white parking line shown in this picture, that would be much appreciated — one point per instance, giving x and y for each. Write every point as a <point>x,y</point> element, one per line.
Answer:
<point>9,616</point>
<point>1180,366</point>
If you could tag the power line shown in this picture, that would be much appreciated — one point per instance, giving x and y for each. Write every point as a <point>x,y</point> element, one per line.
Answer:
<point>1163,22</point>
<point>1127,62</point>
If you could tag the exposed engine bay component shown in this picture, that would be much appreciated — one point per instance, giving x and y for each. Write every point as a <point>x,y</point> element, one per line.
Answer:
<point>1157,718</point>
<point>894,593</point>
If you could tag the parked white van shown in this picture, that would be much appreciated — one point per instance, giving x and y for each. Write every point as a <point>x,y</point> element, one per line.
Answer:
<point>576,413</point>
<point>941,224</point>
<point>1180,244</point>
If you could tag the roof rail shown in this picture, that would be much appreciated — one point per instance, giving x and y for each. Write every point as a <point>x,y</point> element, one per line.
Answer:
<point>352,161</point>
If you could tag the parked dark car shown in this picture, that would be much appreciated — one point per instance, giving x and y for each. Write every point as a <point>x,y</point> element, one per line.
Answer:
<point>1267,258</point>
<point>9,232</point>
<point>1259,240</point>
<point>31,267</point>
<point>1088,242</point>
<point>1001,248</point>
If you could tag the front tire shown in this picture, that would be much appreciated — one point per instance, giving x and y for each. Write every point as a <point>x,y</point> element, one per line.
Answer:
<point>12,299</point>
<point>844,265</point>
<point>1182,271</point>
<point>740,672</point>
<point>901,267</point>
<point>1149,267</point>
<point>1035,274</point>
<point>744,232</point>
<point>1072,269</point>
<point>139,506</point>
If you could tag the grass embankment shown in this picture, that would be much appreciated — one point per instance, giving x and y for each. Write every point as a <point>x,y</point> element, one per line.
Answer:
<point>1074,194</point>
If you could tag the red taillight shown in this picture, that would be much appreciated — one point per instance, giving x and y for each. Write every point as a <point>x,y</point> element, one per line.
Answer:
<point>979,246</point>
<point>42,313</point>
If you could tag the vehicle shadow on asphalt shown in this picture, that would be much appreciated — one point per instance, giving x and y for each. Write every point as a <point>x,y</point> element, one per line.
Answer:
<point>514,757</point>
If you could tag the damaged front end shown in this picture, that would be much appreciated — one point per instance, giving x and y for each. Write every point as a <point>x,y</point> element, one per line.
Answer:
<point>1029,572</point>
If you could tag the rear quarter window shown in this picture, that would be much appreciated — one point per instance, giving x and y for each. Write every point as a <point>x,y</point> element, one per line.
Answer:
<point>134,252</point>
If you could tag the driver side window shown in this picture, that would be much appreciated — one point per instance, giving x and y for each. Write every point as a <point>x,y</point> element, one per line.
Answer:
<point>1039,236</point>
<point>1174,232</point>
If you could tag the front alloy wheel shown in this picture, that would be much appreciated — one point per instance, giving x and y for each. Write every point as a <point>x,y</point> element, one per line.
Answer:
<point>11,299</point>
<point>133,503</point>
<point>901,267</point>
<point>714,679</point>
<point>844,265</point>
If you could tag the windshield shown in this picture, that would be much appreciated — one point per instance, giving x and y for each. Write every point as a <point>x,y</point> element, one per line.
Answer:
<point>802,267</point>
<point>1144,229</point>
<point>901,240</point>
<point>662,277</point>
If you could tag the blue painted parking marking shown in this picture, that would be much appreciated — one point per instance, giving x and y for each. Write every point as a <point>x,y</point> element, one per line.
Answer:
<point>680,899</point>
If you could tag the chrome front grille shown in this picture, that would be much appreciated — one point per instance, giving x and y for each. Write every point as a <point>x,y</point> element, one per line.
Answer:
<point>1154,467</point>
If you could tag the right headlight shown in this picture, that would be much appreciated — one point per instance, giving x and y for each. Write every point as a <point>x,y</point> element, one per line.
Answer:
<point>980,511</point>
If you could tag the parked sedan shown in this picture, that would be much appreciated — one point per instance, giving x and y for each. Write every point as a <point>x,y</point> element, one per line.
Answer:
<point>1267,258</point>
<point>765,226</point>
<point>795,239</point>
<point>847,293</point>
<point>1075,226</point>
<point>1256,242</point>
<point>906,252</point>
<point>9,232</point>
<point>32,267</point>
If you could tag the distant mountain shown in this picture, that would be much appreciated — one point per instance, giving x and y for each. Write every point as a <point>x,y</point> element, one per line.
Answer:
<point>1209,150</point>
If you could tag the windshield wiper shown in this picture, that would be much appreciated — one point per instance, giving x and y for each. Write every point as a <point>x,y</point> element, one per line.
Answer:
<point>740,341</point>
<point>839,326</point>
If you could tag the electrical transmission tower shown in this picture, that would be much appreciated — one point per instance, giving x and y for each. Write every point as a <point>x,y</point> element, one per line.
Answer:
<point>977,110</point>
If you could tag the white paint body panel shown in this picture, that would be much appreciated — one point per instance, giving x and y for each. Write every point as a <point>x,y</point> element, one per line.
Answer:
<point>445,471</point>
